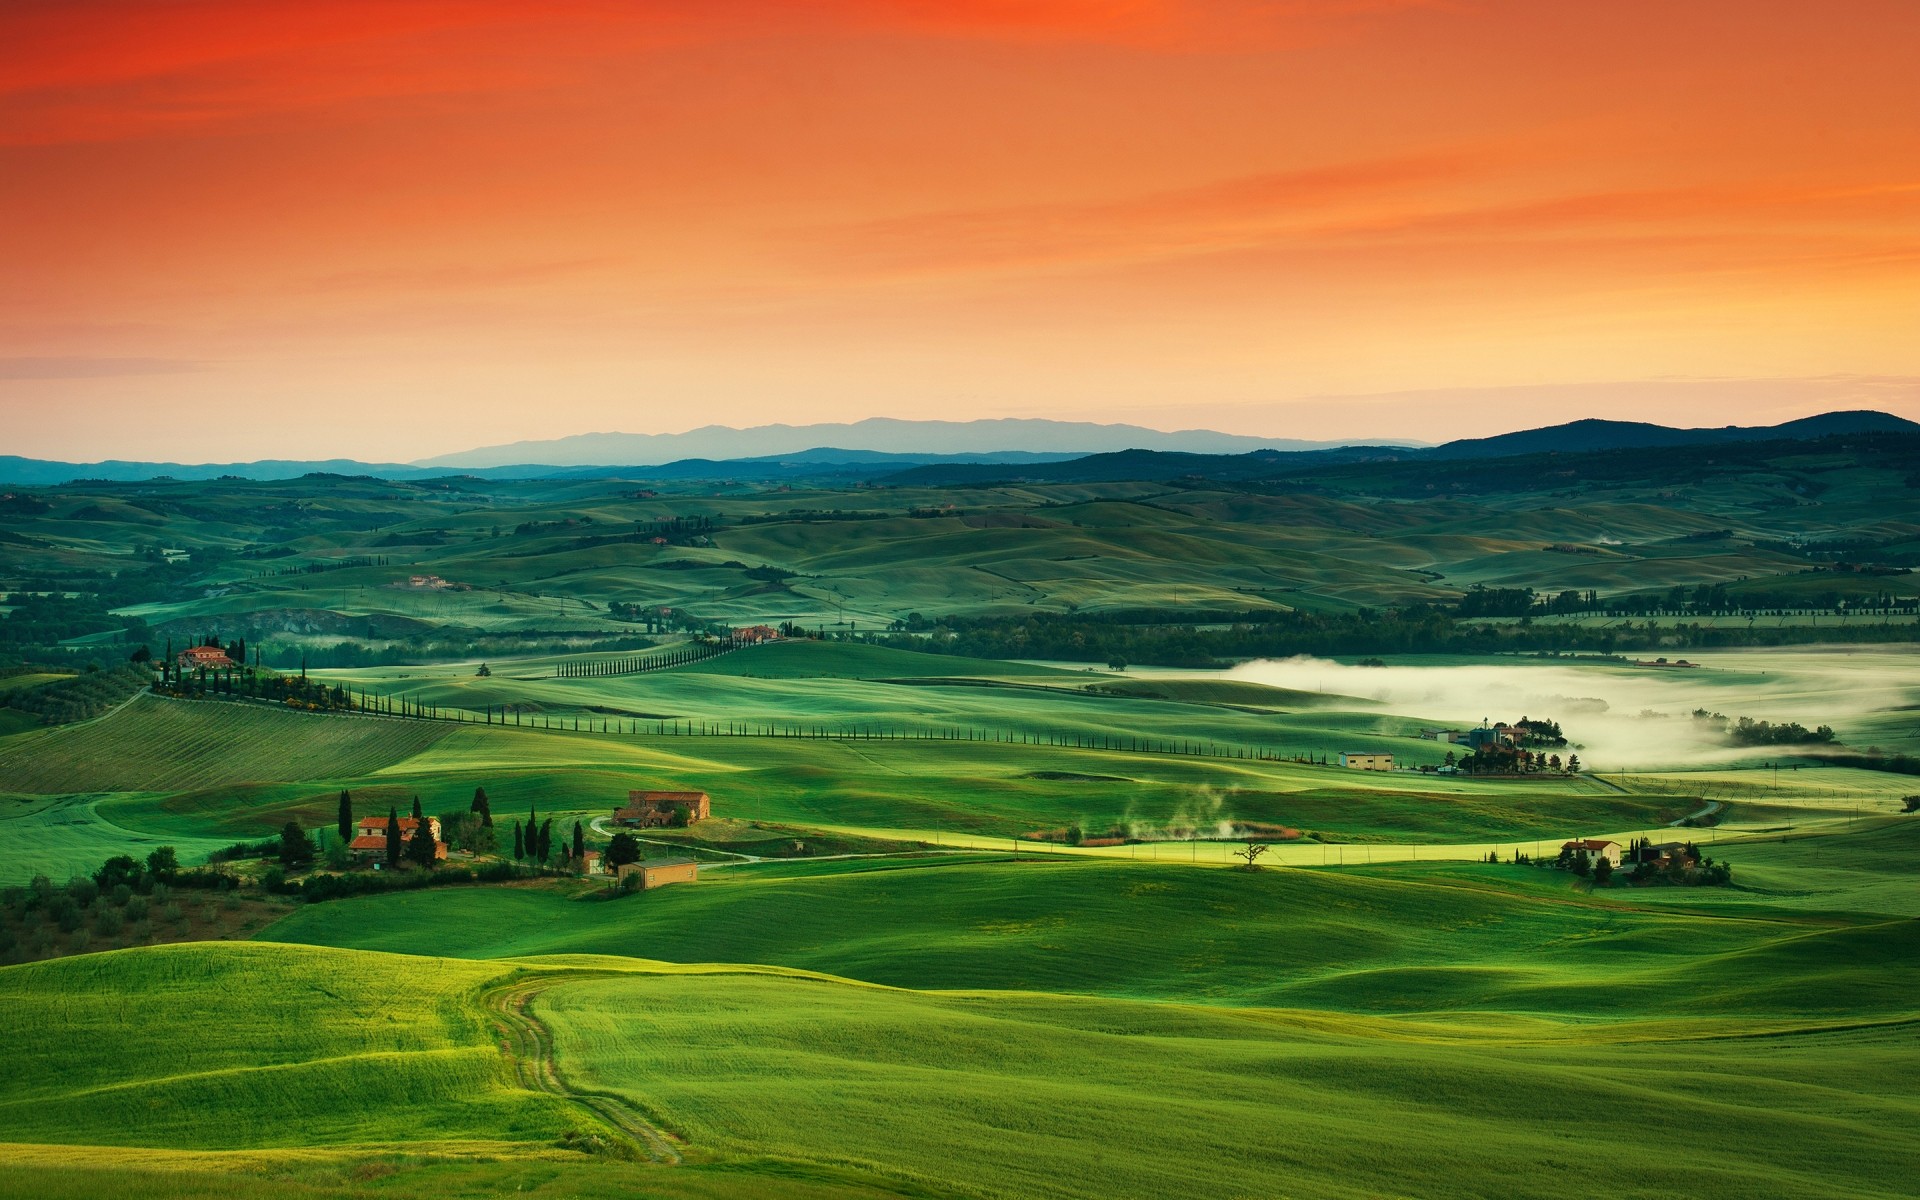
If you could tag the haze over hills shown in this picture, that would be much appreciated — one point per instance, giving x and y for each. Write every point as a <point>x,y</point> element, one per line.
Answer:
<point>1059,450</point>
<point>882,434</point>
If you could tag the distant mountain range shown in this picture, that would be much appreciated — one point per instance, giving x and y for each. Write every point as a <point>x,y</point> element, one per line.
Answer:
<point>884,435</point>
<point>972,451</point>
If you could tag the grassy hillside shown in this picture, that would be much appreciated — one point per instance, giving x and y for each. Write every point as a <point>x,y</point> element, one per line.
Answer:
<point>241,1045</point>
<point>361,1070</point>
<point>159,745</point>
<point>1417,939</point>
<point>1022,1095</point>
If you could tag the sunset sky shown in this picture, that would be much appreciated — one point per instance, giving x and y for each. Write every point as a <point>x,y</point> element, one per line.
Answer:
<point>235,229</point>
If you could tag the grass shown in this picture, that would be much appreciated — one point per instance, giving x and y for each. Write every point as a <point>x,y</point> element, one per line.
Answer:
<point>61,836</point>
<point>161,745</point>
<point>1019,1095</point>
<point>303,1047</point>
<point>1407,939</point>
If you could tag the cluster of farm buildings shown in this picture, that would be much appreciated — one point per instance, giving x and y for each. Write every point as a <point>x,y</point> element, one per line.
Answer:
<point>643,810</point>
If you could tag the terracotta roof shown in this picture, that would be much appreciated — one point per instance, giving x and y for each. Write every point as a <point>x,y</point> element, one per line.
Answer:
<point>662,797</point>
<point>380,823</point>
<point>1589,844</point>
<point>367,842</point>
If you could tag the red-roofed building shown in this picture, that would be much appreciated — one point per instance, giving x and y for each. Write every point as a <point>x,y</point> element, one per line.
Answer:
<point>648,810</point>
<point>194,658</point>
<point>753,635</point>
<point>371,841</point>
<point>1595,848</point>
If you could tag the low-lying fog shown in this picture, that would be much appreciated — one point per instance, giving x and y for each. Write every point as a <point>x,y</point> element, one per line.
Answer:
<point>1626,717</point>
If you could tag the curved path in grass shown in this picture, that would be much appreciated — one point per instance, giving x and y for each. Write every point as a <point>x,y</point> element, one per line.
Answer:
<point>528,1045</point>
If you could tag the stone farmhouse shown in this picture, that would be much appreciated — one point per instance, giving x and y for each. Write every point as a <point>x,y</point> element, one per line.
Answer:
<point>654,810</point>
<point>371,842</point>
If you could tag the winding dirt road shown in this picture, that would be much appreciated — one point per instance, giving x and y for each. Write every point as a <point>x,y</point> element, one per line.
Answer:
<point>528,1045</point>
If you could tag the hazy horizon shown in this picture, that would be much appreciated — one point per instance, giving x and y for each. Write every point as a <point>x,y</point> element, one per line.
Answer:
<point>690,440</point>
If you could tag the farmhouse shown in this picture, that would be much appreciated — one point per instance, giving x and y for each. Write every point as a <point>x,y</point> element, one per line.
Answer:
<point>1595,848</point>
<point>371,841</point>
<point>1366,761</point>
<point>649,810</point>
<point>207,657</point>
<point>753,635</point>
<point>661,872</point>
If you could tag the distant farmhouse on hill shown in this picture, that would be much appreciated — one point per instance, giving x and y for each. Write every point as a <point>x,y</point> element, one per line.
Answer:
<point>371,842</point>
<point>210,658</point>
<point>654,810</point>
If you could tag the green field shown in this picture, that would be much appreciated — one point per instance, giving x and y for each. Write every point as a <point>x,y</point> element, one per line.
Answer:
<point>964,928</point>
<point>984,1022</point>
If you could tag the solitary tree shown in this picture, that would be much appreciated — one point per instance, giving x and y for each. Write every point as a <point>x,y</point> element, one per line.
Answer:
<point>1252,854</point>
<point>296,848</point>
<point>393,837</point>
<point>623,849</point>
<point>519,843</point>
<point>484,671</point>
<point>1116,663</point>
<point>346,816</point>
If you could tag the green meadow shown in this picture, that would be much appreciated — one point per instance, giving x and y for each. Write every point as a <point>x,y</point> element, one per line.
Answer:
<point>967,925</point>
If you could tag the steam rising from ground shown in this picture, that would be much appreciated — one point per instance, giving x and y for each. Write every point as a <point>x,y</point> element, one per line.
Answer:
<point>1620,717</point>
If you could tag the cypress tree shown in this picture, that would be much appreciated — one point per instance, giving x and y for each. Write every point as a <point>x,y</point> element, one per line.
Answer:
<point>423,849</point>
<point>579,844</point>
<point>546,840</point>
<point>416,808</point>
<point>393,838</point>
<point>346,816</point>
<point>481,806</point>
<point>519,845</point>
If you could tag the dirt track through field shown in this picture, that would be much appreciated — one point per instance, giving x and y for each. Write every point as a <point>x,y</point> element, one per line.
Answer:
<point>528,1045</point>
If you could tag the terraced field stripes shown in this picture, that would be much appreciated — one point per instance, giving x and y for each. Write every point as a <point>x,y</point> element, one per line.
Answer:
<point>159,744</point>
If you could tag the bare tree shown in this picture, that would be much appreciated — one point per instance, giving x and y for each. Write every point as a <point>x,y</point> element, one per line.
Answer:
<point>1252,854</point>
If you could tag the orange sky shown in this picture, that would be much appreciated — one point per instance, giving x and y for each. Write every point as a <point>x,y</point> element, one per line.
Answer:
<point>245,228</point>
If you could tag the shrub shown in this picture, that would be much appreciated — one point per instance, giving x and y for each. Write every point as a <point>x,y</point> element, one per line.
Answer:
<point>107,922</point>
<point>65,913</point>
<point>77,942</point>
<point>175,914</point>
<point>121,894</point>
<point>83,890</point>
<point>136,909</point>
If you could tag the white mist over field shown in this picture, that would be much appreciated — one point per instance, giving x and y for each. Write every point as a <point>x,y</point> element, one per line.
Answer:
<point>1621,717</point>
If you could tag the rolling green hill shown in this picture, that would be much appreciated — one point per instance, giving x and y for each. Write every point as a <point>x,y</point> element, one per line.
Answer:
<point>160,745</point>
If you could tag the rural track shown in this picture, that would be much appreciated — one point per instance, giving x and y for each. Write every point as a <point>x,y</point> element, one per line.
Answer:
<point>529,1047</point>
<point>1713,806</point>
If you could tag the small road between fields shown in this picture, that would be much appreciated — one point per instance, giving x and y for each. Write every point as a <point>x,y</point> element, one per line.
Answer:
<point>1712,807</point>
